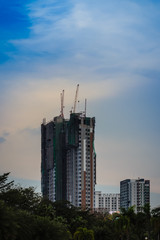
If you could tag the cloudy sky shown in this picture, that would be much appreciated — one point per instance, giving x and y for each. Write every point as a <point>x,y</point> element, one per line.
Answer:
<point>110,48</point>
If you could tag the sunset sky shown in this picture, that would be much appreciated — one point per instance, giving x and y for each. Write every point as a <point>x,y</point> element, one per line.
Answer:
<point>112,50</point>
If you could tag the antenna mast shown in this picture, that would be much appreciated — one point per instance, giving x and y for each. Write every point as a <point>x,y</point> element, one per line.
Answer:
<point>75,101</point>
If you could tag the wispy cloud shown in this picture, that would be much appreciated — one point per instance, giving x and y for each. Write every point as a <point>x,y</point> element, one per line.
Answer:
<point>112,36</point>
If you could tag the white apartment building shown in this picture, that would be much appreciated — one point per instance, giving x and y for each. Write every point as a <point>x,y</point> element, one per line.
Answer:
<point>81,163</point>
<point>107,202</point>
<point>134,192</point>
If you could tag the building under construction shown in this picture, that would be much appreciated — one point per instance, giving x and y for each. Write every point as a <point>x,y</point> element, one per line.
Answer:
<point>68,158</point>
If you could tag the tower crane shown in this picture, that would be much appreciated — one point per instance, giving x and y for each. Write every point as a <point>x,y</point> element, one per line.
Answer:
<point>75,100</point>
<point>85,107</point>
<point>62,104</point>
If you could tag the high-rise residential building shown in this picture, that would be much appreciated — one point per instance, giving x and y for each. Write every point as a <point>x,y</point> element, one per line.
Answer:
<point>68,159</point>
<point>134,192</point>
<point>107,202</point>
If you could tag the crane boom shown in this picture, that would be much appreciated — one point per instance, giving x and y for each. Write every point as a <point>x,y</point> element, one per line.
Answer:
<point>75,100</point>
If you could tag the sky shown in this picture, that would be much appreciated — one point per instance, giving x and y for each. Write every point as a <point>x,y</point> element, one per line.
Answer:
<point>111,49</point>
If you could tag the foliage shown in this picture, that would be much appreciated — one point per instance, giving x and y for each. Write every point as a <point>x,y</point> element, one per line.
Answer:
<point>4,185</point>
<point>24,214</point>
<point>8,224</point>
<point>104,230</point>
<point>83,234</point>
<point>45,209</point>
<point>21,198</point>
<point>155,223</point>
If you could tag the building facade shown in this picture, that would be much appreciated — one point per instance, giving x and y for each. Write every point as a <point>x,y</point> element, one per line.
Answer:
<point>107,202</point>
<point>68,160</point>
<point>134,192</point>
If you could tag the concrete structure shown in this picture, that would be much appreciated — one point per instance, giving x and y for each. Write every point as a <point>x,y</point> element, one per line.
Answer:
<point>68,160</point>
<point>107,202</point>
<point>134,192</point>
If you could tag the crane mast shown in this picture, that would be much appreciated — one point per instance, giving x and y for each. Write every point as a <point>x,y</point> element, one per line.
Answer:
<point>75,100</point>
<point>85,110</point>
<point>62,104</point>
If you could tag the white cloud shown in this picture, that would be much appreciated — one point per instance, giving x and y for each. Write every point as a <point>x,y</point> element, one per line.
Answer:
<point>106,35</point>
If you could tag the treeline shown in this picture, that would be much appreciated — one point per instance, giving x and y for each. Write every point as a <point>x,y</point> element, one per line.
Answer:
<point>25,215</point>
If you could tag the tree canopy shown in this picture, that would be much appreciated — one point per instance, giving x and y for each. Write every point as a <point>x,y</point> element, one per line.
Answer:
<point>25,215</point>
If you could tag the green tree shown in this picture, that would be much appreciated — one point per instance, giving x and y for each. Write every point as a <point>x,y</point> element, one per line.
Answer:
<point>25,215</point>
<point>46,229</point>
<point>125,225</point>
<point>45,209</point>
<point>83,234</point>
<point>103,227</point>
<point>104,231</point>
<point>26,225</point>
<point>8,225</point>
<point>140,225</point>
<point>122,226</point>
<point>147,212</point>
<point>89,217</point>
<point>4,185</point>
<point>76,222</point>
<point>155,223</point>
<point>156,212</point>
<point>21,198</point>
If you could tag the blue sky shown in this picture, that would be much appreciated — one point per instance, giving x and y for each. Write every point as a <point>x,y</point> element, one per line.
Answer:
<point>112,50</point>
